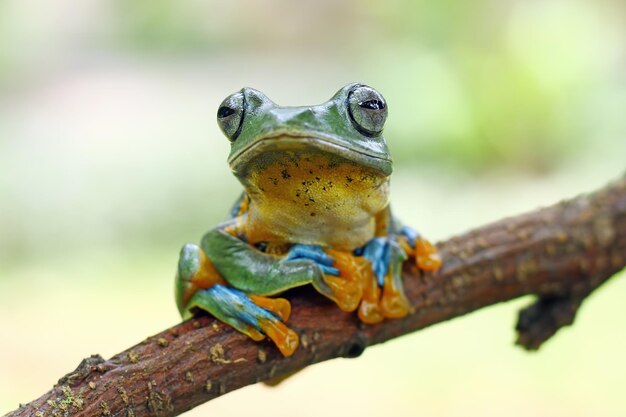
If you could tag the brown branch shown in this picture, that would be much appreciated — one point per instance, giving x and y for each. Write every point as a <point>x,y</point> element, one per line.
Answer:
<point>560,253</point>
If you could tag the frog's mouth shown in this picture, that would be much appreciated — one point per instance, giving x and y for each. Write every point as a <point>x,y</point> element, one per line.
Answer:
<point>243,160</point>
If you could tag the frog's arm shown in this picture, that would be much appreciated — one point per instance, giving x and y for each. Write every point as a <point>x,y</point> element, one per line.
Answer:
<point>252,271</point>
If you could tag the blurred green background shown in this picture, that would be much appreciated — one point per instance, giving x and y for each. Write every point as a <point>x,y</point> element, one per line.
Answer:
<point>111,159</point>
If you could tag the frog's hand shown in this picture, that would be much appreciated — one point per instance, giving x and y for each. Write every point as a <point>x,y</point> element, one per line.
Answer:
<point>350,284</point>
<point>341,279</point>
<point>251,315</point>
<point>254,272</point>
<point>425,253</point>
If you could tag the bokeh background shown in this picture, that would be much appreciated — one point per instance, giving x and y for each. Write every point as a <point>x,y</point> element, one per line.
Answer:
<point>111,159</point>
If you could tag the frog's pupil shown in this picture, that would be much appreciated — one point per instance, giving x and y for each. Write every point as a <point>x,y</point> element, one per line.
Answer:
<point>372,104</point>
<point>224,111</point>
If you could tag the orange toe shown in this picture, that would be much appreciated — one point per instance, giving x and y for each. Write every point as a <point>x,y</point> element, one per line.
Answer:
<point>285,339</point>
<point>254,334</point>
<point>426,256</point>
<point>278,306</point>
<point>394,303</point>
<point>369,310</point>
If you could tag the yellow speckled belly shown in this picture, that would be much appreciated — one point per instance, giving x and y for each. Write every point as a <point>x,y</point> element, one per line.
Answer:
<point>309,196</point>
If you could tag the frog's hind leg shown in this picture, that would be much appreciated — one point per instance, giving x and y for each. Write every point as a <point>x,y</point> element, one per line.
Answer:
<point>394,303</point>
<point>195,272</point>
<point>425,253</point>
<point>370,311</point>
<point>251,315</point>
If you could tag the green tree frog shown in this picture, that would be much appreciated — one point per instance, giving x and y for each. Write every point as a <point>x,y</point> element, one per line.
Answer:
<point>315,210</point>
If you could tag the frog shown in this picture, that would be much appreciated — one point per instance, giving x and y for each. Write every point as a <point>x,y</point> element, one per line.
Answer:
<point>315,210</point>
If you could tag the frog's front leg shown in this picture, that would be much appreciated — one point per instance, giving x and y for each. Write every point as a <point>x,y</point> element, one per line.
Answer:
<point>343,274</point>
<point>255,272</point>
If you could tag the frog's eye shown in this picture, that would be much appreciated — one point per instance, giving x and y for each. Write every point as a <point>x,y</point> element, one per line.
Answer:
<point>367,109</point>
<point>230,115</point>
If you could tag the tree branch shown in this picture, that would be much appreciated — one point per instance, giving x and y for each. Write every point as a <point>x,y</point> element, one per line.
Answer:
<point>560,253</point>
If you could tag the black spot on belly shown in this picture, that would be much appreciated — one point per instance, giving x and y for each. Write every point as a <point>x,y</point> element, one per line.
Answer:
<point>313,214</point>
<point>285,174</point>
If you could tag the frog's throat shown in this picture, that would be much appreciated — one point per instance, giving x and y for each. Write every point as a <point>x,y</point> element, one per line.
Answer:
<point>289,142</point>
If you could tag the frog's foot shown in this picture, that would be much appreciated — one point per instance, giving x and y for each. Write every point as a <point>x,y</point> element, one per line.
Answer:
<point>394,304</point>
<point>195,272</point>
<point>425,253</point>
<point>426,256</point>
<point>379,252</point>
<point>385,256</point>
<point>253,316</point>
<point>369,309</point>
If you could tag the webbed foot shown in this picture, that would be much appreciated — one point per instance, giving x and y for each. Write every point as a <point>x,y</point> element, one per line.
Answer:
<point>369,309</point>
<point>385,256</point>
<point>253,316</point>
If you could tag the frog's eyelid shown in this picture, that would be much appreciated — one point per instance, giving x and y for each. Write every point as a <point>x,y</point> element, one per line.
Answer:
<point>244,106</point>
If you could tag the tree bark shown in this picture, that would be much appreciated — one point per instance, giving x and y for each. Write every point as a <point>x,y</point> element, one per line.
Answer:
<point>560,254</point>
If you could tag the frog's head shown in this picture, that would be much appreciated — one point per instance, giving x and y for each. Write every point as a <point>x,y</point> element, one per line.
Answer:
<point>348,126</point>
